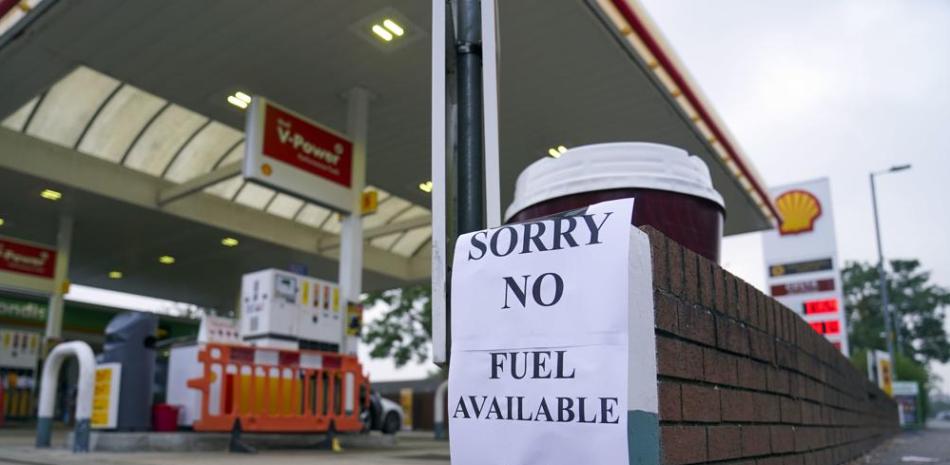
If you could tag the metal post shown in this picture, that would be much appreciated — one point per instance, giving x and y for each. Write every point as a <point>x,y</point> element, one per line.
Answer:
<point>351,234</point>
<point>470,157</point>
<point>441,146</point>
<point>54,315</point>
<point>882,282</point>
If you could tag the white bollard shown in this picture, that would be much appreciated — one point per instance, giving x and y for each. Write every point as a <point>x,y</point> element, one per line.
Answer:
<point>439,408</point>
<point>48,384</point>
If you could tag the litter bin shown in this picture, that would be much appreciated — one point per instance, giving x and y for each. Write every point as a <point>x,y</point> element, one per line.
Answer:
<point>165,417</point>
<point>130,341</point>
<point>672,189</point>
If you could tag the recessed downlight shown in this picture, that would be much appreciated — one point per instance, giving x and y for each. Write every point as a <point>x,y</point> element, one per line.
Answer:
<point>425,186</point>
<point>166,259</point>
<point>239,99</point>
<point>382,33</point>
<point>391,26</point>
<point>556,152</point>
<point>229,242</point>
<point>115,274</point>
<point>50,194</point>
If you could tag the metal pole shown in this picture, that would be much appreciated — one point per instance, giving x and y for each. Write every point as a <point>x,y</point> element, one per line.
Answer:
<point>885,310</point>
<point>470,157</point>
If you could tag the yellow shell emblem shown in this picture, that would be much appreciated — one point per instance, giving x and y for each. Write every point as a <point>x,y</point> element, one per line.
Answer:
<point>799,210</point>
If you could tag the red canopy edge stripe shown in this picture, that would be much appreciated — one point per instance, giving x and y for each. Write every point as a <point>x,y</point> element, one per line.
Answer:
<point>643,31</point>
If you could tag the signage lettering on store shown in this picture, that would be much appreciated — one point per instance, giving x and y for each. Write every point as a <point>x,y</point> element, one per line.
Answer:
<point>553,352</point>
<point>22,258</point>
<point>22,309</point>
<point>292,154</point>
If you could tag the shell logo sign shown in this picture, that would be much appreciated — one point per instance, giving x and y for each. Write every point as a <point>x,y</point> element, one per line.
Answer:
<point>799,210</point>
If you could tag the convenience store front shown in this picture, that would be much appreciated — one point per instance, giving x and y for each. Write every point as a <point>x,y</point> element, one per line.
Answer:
<point>22,322</point>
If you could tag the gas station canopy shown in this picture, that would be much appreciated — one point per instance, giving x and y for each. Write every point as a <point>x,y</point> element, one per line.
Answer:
<point>115,103</point>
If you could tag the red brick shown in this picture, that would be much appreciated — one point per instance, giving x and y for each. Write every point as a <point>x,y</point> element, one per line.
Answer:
<point>724,442</point>
<point>791,411</point>
<point>660,259</point>
<point>700,403</point>
<point>737,406</point>
<point>777,380</point>
<point>755,440</point>
<point>732,299</point>
<point>742,300</point>
<point>761,346</point>
<point>719,367</point>
<point>782,438</point>
<point>707,288</point>
<point>682,444</point>
<point>786,356</point>
<point>755,310</point>
<point>732,336</point>
<point>793,460</point>
<point>752,374</point>
<point>691,276</point>
<point>719,281</point>
<point>697,324</point>
<point>679,359</point>
<point>768,305</point>
<point>778,460</point>
<point>671,402</point>
<point>675,263</point>
<point>666,315</point>
<point>766,407</point>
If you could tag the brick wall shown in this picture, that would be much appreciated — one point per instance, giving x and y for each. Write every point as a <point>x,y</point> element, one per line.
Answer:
<point>744,380</point>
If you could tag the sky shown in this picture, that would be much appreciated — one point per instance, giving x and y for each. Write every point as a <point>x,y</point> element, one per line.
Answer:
<point>832,89</point>
<point>809,89</point>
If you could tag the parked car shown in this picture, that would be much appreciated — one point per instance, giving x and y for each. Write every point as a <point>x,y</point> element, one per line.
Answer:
<point>383,414</point>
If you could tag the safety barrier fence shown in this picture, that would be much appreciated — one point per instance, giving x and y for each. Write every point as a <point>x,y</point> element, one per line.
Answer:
<point>271,390</point>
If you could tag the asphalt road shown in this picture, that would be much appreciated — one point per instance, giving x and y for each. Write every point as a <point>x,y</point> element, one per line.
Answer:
<point>929,446</point>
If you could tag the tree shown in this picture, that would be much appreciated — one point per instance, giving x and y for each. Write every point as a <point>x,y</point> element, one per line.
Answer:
<point>404,331</point>
<point>918,308</point>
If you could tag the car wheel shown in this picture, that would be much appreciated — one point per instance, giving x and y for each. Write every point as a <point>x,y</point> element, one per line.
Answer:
<point>391,424</point>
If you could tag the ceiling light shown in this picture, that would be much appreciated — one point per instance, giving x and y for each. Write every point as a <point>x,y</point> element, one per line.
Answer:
<point>425,186</point>
<point>1,222</point>
<point>115,274</point>
<point>166,259</point>
<point>243,97</point>
<point>393,27</point>
<point>556,152</point>
<point>229,242</point>
<point>50,194</point>
<point>382,33</point>
<point>237,101</point>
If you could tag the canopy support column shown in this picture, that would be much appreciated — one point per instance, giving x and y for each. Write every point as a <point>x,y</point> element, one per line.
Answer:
<point>351,235</point>
<point>54,315</point>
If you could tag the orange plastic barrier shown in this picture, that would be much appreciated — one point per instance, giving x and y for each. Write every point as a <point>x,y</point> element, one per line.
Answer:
<point>273,390</point>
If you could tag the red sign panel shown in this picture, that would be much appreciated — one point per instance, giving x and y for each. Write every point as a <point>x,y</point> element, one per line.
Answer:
<point>17,257</point>
<point>306,146</point>
<point>827,327</point>
<point>813,307</point>
<point>803,287</point>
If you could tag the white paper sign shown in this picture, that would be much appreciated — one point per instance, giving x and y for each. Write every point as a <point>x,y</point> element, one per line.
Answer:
<point>540,337</point>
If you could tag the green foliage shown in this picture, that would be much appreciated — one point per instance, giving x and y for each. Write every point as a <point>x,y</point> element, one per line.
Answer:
<point>906,369</point>
<point>918,307</point>
<point>405,329</point>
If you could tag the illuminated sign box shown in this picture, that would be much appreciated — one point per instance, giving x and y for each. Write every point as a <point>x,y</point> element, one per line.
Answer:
<point>292,154</point>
